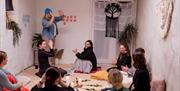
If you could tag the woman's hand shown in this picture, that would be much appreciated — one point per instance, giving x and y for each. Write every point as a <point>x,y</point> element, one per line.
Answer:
<point>113,61</point>
<point>75,51</point>
<point>124,68</point>
<point>51,18</point>
<point>21,85</point>
<point>61,13</point>
<point>42,81</point>
<point>52,15</point>
<point>43,78</point>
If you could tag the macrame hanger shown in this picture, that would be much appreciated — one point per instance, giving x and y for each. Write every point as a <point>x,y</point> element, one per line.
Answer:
<point>112,11</point>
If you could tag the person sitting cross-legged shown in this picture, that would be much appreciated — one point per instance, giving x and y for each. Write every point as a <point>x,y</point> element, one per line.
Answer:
<point>86,61</point>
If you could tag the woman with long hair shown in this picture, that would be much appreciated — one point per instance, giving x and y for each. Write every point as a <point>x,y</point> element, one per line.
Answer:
<point>5,83</point>
<point>87,59</point>
<point>124,60</point>
<point>141,78</point>
<point>43,56</point>
<point>51,79</point>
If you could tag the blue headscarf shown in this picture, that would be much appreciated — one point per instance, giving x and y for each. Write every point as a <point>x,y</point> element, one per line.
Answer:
<point>47,10</point>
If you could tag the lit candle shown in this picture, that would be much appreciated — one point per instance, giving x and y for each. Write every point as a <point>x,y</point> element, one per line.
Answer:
<point>72,84</point>
<point>67,80</point>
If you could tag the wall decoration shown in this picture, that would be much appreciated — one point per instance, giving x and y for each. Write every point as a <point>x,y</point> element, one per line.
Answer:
<point>112,11</point>
<point>26,20</point>
<point>166,8</point>
<point>11,24</point>
<point>69,19</point>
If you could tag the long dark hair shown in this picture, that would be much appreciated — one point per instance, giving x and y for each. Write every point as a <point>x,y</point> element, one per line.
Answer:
<point>51,74</point>
<point>139,60</point>
<point>126,46</point>
<point>3,55</point>
<point>140,50</point>
<point>40,42</point>
<point>90,42</point>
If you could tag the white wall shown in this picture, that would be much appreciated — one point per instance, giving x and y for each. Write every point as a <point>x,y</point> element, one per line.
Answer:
<point>20,56</point>
<point>163,54</point>
<point>2,18</point>
<point>73,35</point>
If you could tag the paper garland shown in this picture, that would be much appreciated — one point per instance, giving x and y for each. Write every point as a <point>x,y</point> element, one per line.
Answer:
<point>69,19</point>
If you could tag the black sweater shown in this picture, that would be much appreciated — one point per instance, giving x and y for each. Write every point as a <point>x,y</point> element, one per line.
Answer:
<point>124,60</point>
<point>52,88</point>
<point>88,54</point>
<point>141,80</point>
<point>43,59</point>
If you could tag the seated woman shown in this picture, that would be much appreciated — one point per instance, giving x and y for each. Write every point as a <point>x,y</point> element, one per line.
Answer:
<point>115,78</point>
<point>86,60</point>
<point>51,80</point>
<point>5,83</point>
<point>132,70</point>
<point>124,60</point>
<point>43,56</point>
<point>141,78</point>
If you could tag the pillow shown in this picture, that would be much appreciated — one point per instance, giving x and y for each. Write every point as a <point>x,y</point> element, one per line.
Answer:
<point>100,75</point>
<point>13,81</point>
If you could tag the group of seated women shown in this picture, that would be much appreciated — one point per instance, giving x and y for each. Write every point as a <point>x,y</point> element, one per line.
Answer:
<point>86,62</point>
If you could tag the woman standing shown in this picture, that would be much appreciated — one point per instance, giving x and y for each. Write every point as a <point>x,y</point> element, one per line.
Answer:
<point>49,23</point>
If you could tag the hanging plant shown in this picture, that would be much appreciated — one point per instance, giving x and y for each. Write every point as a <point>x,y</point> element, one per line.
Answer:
<point>12,25</point>
<point>128,33</point>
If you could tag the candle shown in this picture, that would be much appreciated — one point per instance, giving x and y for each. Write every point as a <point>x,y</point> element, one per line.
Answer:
<point>68,80</point>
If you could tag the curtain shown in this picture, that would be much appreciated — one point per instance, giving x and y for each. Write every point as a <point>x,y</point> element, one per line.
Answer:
<point>106,47</point>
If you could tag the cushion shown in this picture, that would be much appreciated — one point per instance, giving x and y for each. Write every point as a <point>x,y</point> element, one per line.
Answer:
<point>100,75</point>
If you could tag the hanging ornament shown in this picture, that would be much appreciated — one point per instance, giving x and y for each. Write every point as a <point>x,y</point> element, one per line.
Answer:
<point>166,8</point>
<point>112,11</point>
<point>75,19</point>
<point>64,18</point>
<point>67,18</point>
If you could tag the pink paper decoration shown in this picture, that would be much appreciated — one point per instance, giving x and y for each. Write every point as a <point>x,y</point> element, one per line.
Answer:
<point>64,23</point>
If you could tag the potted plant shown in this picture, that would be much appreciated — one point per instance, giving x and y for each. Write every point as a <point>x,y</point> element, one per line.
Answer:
<point>12,25</point>
<point>35,40</point>
<point>128,33</point>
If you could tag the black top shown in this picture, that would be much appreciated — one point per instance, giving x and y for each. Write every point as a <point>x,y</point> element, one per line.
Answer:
<point>52,88</point>
<point>123,60</point>
<point>141,80</point>
<point>88,54</point>
<point>43,59</point>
